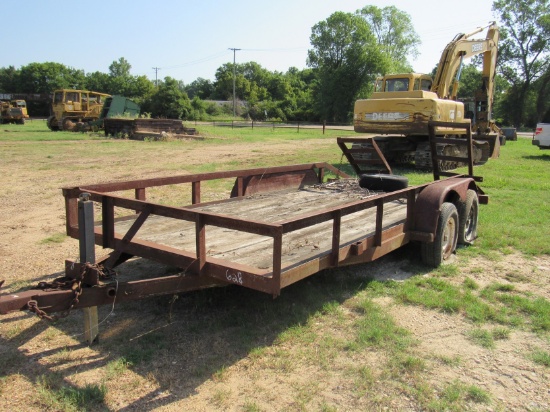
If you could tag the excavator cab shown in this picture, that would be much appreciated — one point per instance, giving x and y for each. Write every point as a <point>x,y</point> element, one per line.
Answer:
<point>403,83</point>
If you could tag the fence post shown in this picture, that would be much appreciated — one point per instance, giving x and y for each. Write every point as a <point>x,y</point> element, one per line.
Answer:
<point>298,127</point>
<point>324,125</point>
<point>86,238</point>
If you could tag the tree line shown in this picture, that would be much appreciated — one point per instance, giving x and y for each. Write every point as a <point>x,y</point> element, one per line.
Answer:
<point>348,51</point>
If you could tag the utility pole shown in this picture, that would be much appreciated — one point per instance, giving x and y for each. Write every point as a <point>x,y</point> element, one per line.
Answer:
<point>234,52</point>
<point>156,69</point>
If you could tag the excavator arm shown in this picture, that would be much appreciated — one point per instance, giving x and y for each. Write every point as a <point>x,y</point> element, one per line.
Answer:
<point>447,77</point>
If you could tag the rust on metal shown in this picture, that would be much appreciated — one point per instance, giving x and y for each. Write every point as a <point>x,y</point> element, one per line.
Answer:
<point>364,155</point>
<point>263,238</point>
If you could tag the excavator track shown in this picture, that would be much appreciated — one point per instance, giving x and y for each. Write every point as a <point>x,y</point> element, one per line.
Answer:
<point>399,150</point>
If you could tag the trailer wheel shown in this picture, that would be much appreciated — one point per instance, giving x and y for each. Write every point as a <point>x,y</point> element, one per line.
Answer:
<point>467,218</point>
<point>383,182</point>
<point>446,236</point>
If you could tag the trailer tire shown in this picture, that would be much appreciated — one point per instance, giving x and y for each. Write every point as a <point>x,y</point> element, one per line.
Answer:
<point>446,236</point>
<point>468,212</point>
<point>383,182</point>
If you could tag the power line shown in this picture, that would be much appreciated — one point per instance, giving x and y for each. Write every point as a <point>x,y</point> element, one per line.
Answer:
<point>202,60</point>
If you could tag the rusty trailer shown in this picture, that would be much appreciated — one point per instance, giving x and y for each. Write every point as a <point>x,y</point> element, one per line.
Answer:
<point>278,225</point>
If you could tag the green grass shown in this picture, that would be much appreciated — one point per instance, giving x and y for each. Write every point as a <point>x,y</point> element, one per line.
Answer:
<point>375,328</point>
<point>116,368</point>
<point>541,357</point>
<point>37,131</point>
<point>144,349</point>
<point>482,337</point>
<point>496,303</point>
<point>55,395</point>
<point>518,184</point>
<point>55,238</point>
<point>456,395</point>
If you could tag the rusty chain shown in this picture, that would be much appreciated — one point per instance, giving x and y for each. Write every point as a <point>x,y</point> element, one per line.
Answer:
<point>64,283</point>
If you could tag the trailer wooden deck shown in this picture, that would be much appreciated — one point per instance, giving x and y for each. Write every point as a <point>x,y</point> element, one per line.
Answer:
<point>274,208</point>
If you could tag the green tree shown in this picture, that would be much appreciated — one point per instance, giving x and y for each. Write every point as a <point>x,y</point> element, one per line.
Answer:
<point>251,82</point>
<point>9,80</point>
<point>523,49</point>
<point>543,98</point>
<point>120,68</point>
<point>395,34</point>
<point>201,88</point>
<point>98,82</point>
<point>198,109</point>
<point>168,101</point>
<point>119,81</point>
<point>47,77</point>
<point>347,58</point>
<point>141,88</point>
<point>470,81</point>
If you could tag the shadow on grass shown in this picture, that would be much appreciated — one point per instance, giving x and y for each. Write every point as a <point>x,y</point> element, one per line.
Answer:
<point>179,344</point>
<point>542,156</point>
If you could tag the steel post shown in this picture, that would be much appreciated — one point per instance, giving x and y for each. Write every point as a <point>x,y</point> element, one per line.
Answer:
<point>87,255</point>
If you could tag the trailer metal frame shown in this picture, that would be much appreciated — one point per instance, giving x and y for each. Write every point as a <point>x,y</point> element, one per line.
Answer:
<point>201,271</point>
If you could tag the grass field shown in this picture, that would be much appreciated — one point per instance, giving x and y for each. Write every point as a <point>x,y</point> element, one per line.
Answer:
<point>393,335</point>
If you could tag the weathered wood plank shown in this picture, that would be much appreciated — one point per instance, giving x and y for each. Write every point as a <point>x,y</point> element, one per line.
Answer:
<point>270,208</point>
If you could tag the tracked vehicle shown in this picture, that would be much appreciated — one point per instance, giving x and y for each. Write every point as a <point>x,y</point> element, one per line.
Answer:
<point>402,105</point>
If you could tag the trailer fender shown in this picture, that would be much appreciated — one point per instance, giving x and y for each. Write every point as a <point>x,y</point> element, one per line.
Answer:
<point>429,201</point>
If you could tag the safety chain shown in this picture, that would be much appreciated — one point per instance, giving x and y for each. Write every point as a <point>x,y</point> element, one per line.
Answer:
<point>64,283</point>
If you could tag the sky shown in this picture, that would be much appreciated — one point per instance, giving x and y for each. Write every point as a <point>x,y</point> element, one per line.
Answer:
<point>188,39</point>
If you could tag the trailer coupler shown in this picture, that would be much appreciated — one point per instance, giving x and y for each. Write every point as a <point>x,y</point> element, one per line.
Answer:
<point>60,295</point>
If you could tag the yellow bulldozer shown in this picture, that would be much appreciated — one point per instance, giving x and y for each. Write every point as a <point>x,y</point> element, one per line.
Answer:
<point>72,109</point>
<point>402,105</point>
<point>13,111</point>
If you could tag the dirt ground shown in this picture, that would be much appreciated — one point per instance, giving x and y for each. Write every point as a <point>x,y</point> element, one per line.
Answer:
<point>240,378</point>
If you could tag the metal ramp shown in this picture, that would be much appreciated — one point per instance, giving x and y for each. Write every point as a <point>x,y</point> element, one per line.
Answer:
<point>466,141</point>
<point>364,155</point>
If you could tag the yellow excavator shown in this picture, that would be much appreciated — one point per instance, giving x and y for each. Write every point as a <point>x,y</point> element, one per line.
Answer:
<point>402,105</point>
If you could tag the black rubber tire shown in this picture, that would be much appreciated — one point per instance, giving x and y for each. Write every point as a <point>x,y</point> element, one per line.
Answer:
<point>468,212</point>
<point>446,236</point>
<point>383,182</point>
